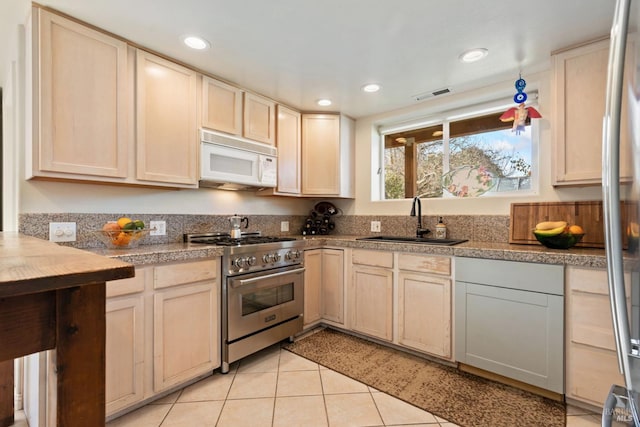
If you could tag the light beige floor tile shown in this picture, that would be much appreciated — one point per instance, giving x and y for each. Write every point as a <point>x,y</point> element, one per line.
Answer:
<point>395,411</point>
<point>215,387</point>
<point>303,411</point>
<point>147,416</point>
<point>582,421</point>
<point>190,414</point>
<point>299,383</point>
<point>336,383</point>
<point>260,384</point>
<point>448,425</point>
<point>355,409</point>
<point>170,398</point>
<point>266,360</point>
<point>247,412</point>
<point>441,420</point>
<point>293,362</point>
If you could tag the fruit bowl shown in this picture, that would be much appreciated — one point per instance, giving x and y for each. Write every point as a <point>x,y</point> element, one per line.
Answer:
<point>559,241</point>
<point>121,239</point>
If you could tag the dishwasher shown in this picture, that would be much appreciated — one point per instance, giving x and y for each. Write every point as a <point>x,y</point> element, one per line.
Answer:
<point>510,319</point>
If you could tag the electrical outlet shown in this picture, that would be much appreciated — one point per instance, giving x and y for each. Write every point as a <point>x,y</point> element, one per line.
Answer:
<point>284,225</point>
<point>375,226</point>
<point>159,226</point>
<point>62,231</point>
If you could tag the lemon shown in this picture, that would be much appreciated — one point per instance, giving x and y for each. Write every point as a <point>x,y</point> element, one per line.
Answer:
<point>122,222</point>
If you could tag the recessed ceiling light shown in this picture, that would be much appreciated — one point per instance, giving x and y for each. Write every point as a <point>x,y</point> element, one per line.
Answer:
<point>371,87</point>
<point>324,102</point>
<point>195,42</point>
<point>473,55</point>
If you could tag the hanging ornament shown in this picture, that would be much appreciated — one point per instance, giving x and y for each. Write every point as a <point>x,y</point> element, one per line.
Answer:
<point>520,113</point>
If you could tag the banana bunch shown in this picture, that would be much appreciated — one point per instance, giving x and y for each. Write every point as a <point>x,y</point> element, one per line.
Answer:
<point>550,228</point>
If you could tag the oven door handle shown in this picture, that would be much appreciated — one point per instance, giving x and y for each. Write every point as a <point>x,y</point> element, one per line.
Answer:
<point>244,282</point>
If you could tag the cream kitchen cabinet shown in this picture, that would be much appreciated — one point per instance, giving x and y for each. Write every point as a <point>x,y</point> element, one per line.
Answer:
<point>125,341</point>
<point>288,142</point>
<point>579,77</point>
<point>186,333</point>
<point>221,106</point>
<point>80,112</point>
<point>327,155</point>
<point>324,286</point>
<point>591,361</point>
<point>312,286</point>
<point>424,303</point>
<point>166,131</point>
<point>259,121</point>
<point>162,331</point>
<point>370,293</point>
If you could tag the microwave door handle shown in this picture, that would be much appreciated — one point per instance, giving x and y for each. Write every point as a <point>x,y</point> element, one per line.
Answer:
<point>260,167</point>
<point>245,282</point>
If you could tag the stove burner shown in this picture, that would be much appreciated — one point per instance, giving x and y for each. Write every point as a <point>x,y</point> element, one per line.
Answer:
<point>245,240</point>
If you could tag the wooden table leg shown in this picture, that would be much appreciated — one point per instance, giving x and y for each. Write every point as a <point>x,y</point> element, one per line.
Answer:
<point>6,393</point>
<point>80,356</point>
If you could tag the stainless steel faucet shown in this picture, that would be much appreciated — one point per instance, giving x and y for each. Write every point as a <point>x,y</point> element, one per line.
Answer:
<point>420,232</point>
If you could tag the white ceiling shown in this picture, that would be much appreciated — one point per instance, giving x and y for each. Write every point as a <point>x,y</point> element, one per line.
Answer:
<point>297,51</point>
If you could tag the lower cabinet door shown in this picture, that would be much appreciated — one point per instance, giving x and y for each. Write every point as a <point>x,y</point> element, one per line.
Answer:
<point>424,313</point>
<point>514,333</point>
<point>372,301</point>
<point>124,352</point>
<point>333,285</point>
<point>185,334</point>
<point>312,286</point>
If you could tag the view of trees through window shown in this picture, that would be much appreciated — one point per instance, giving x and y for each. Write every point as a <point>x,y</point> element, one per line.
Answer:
<point>482,156</point>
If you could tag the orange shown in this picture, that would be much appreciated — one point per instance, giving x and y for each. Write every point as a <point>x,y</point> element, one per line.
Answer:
<point>576,229</point>
<point>122,222</point>
<point>122,239</point>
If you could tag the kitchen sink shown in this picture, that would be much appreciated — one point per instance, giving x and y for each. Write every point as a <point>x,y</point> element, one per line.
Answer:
<point>421,240</point>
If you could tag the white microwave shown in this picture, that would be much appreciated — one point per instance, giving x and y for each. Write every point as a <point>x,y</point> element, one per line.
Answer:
<point>234,163</point>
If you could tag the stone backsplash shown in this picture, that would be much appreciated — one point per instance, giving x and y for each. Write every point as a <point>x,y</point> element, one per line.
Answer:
<point>480,228</point>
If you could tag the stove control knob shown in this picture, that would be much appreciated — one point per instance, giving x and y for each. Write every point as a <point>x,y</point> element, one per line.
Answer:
<point>251,260</point>
<point>266,258</point>
<point>276,257</point>
<point>298,253</point>
<point>239,262</point>
<point>290,256</point>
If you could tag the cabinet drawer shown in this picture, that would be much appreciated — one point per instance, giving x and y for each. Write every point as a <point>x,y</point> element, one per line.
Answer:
<point>591,320</point>
<point>425,264</point>
<point>591,372</point>
<point>178,274</point>
<point>592,281</point>
<point>131,285</point>
<point>373,258</point>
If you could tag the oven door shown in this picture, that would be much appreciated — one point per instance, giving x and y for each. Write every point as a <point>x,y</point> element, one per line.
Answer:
<point>261,300</point>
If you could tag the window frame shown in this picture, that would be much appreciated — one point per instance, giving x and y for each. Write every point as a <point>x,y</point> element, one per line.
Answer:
<point>444,119</point>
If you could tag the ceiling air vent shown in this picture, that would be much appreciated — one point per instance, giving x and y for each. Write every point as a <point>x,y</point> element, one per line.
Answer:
<point>430,94</point>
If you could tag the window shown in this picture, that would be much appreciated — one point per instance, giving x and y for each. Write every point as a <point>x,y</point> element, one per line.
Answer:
<point>470,157</point>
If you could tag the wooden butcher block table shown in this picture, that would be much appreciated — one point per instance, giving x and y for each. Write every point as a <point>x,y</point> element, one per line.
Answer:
<point>53,296</point>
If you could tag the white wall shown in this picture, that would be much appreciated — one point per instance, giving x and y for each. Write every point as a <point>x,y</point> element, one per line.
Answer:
<point>366,136</point>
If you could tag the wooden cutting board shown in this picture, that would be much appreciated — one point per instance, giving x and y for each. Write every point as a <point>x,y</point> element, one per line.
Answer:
<point>587,214</point>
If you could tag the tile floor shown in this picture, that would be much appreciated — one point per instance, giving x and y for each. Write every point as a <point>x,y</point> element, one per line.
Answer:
<point>277,388</point>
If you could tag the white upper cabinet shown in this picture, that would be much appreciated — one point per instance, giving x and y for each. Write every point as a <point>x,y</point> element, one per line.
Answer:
<point>221,106</point>
<point>80,109</point>
<point>579,87</point>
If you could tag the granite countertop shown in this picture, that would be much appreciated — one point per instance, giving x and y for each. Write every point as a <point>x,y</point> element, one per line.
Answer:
<point>153,254</point>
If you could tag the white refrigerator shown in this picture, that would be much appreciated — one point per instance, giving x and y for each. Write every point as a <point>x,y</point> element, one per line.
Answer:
<point>620,205</point>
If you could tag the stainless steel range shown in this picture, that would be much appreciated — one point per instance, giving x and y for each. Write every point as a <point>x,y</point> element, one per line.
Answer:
<point>262,291</point>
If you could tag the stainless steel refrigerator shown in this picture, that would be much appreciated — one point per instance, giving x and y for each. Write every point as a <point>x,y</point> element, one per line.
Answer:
<point>620,204</point>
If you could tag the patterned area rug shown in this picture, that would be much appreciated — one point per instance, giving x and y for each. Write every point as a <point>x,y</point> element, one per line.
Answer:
<point>459,397</point>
